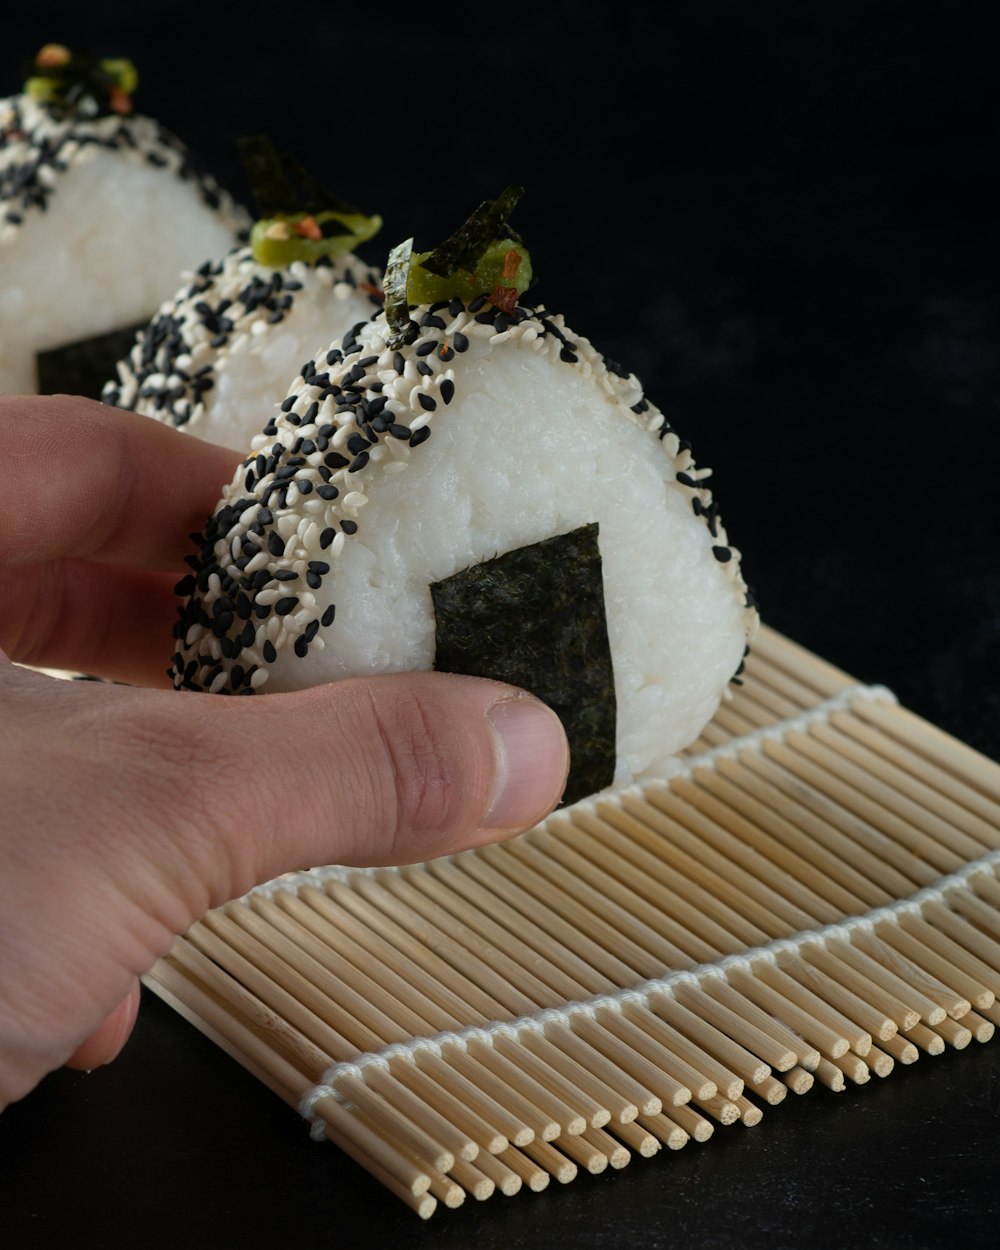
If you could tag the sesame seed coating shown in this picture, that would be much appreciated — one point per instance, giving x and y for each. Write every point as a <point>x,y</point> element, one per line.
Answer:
<point>226,308</point>
<point>38,144</point>
<point>305,505</point>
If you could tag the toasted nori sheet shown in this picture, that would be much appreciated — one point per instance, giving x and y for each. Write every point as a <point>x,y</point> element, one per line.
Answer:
<point>465,247</point>
<point>83,367</point>
<point>535,617</point>
<point>280,183</point>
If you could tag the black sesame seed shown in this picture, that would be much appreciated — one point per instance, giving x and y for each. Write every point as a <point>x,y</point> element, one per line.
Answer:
<point>349,527</point>
<point>269,652</point>
<point>284,606</point>
<point>420,436</point>
<point>447,390</point>
<point>722,554</point>
<point>327,617</point>
<point>275,543</point>
<point>327,537</point>
<point>358,462</point>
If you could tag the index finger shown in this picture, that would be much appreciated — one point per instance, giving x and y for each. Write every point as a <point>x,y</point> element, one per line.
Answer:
<point>81,479</point>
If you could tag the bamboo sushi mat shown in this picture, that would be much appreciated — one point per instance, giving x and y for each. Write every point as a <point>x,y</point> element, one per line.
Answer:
<point>812,900</point>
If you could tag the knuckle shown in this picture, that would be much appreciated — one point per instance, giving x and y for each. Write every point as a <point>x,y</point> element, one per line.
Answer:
<point>426,794</point>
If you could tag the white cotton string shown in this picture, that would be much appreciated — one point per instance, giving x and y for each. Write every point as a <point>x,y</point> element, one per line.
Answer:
<point>644,991</point>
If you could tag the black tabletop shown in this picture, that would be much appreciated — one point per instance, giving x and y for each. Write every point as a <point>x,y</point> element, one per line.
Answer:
<point>780,216</point>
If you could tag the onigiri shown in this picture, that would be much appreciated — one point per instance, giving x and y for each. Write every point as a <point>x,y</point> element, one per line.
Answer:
<point>441,437</point>
<point>226,346</point>
<point>101,211</point>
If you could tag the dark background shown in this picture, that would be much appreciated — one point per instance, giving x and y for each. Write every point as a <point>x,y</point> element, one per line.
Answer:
<point>781,216</point>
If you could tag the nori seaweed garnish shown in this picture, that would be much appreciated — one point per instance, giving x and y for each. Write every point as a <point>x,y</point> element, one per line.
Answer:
<point>535,618</point>
<point>280,183</point>
<point>397,309</point>
<point>465,247</point>
<point>80,83</point>
<point>462,250</point>
<point>83,367</point>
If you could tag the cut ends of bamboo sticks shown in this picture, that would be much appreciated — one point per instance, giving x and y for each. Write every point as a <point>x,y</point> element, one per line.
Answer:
<point>810,904</point>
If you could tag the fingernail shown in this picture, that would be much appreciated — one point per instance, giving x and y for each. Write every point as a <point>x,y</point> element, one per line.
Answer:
<point>532,763</point>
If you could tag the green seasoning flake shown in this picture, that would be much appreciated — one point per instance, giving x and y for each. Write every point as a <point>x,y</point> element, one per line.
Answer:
<point>535,618</point>
<point>277,241</point>
<point>483,257</point>
<point>73,82</point>
<point>502,272</point>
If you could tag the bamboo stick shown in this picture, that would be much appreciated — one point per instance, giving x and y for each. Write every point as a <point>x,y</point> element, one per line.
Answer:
<point>407,1180</point>
<point>773,1091</point>
<point>750,1114</point>
<point>981,1028</point>
<point>954,1033</point>
<point>666,1130</point>
<point>829,1074</point>
<point>506,1181</point>
<point>529,1172</point>
<point>473,1179</point>
<point>975,770</point>
<point>926,1039</point>
<point>558,1166</point>
<point>902,1050</point>
<point>688,1119</point>
<point>798,1080</point>
<point>639,1139</point>
<point>879,1061</point>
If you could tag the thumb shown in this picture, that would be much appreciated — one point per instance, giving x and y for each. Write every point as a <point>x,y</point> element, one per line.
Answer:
<point>386,770</point>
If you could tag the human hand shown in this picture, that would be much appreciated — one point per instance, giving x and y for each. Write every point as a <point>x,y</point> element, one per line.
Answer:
<point>127,811</point>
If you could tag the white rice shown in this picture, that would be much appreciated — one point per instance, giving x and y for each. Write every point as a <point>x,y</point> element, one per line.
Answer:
<point>251,371</point>
<point>530,446</point>
<point>113,240</point>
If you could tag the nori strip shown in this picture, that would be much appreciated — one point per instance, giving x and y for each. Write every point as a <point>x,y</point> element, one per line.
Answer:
<point>270,185</point>
<point>83,367</point>
<point>281,184</point>
<point>397,310</point>
<point>535,617</point>
<point>463,249</point>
